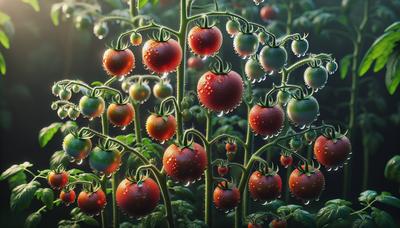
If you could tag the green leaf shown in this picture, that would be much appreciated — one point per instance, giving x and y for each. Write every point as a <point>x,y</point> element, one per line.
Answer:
<point>127,139</point>
<point>46,195</point>
<point>383,219</point>
<point>33,3</point>
<point>328,215</point>
<point>142,3</point>
<point>55,13</point>
<point>364,222</point>
<point>274,205</point>
<point>392,77</point>
<point>288,209</point>
<point>3,18</point>
<point>393,27</point>
<point>4,39</point>
<point>96,83</point>
<point>17,179</point>
<point>392,169</point>
<point>33,220</point>
<point>69,126</point>
<point>301,218</point>
<point>183,193</point>
<point>367,196</point>
<point>14,169</point>
<point>2,64</point>
<point>22,195</point>
<point>340,202</point>
<point>88,220</point>
<point>381,48</point>
<point>59,158</point>
<point>47,133</point>
<point>389,200</point>
<point>345,66</point>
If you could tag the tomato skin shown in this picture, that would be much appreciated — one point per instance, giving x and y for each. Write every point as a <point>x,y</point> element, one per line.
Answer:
<point>230,147</point>
<point>105,161</point>
<point>137,199</point>
<point>161,56</point>
<point>77,148</point>
<point>223,170</point>
<point>245,44</point>
<point>266,121</point>
<point>118,62</point>
<point>68,197</point>
<point>205,41</point>
<point>226,199</point>
<point>278,223</point>
<point>161,128</point>
<point>185,165</point>
<point>136,39</point>
<point>273,58</point>
<point>92,203</point>
<point>253,225</point>
<point>283,97</point>
<point>162,90</point>
<point>332,152</point>
<point>253,70</point>
<point>303,111</point>
<point>220,93</point>
<point>306,187</point>
<point>58,180</point>
<point>120,115</point>
<point>299,47</point>
<point>139,92</point>
<point>286,160</point>
<point>195,63</point>
<point>265,187</point>
<point>232,27</point>
<point>268,13</point>
<point>91,107</point>
<point>331,67</point>
<point>315,77</point>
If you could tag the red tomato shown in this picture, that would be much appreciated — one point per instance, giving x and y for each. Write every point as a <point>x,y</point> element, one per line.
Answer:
<point>118,62</point>
<point>286,160</point>
<point>268,13</point>
<point>58,180</point>
<point>68,197</point>
<point>226,197</point>
<point>306,186</point>
<point>120,115</point>
<point>278,223</point>
<point>223,170</point>
<point>195,63</point>
<point>161,128</point>
<point>205,41</point>
<point>231,147</point>
<point>185,164</point>
<point>92,203</point>
<point>332,152</point>
<point>162,56</point>
<point>137,198</point>
<point>265,187</point>
<point>266,121</point>
<point>220,92</point>
<point>254,225</point>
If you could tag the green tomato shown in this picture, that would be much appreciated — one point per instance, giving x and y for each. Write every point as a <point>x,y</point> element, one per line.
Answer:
<point>100,30</point>
<point>254,71</point>
<point>296,143</point>
<point>245,44</point>
<point>77,148</point>
<point>392,169</point>
<point>302,112</point>
<point>139,92</point>
<point>331,67</point>
<point>283,97</point>
<point>91,107</point>
<point>232,27</point>
<point>104,161</point>
<point>62,113</point>
<point>65,94</point>
<point>273,58</point>
<point>73,113</point>
<point>56,89</point>
<point>162,90</point>
<point>299,47</point>
<point>263,37</point>
<point>82,21</point>
<point>315,77</point>
<point>136,39</point>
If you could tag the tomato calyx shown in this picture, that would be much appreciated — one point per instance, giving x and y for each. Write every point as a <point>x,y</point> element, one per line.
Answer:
<point>225,184</point>
<point>162,35</point>
<point>308,168</point>
<point>268,169</point>
<point>205,23</point>
<point>220,67</point>
<point>333,134</point>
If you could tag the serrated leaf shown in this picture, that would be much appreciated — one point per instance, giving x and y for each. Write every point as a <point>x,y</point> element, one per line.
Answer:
<point>47,133</point>
<point>2,65</point>
<point>55,13</point>
<point>301,218</point>
<point>367,196</point>
<point>74,172</point>
<point>288,209</point>
<point>14,169</point>
<point>3,18</point>
<point>46,196</point>
<point>142,3</point>
<point>338,202</point>
<point>127,139</point>
<point>364,222</point>
<point>59,158</point>
<point>389,200</point>
<point>17,179</point>
<point>331,213</point>
<point>383,219</point>
<point>33,220</point>
<point>88,220</point>
<point>392,76</point>
<point>183,193</point>
<point>33,3</point>
<point>344,64</point>
<point>22,195</point>
<point>4,39</point>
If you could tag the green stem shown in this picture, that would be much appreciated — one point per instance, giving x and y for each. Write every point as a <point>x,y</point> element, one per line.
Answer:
<point>114,201</point>
<point>137,122</point>
<point>289,20</point>
<point>133,9</point>
<point>104,130</point>
<point>208,174</point>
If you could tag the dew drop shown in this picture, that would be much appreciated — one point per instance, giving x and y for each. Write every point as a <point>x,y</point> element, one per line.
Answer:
<point>121,78</point>
<point>220,114</point>
<point>187,184</point>
<point>123,128</point>
<point>79,162</point>
<point>306,202</point>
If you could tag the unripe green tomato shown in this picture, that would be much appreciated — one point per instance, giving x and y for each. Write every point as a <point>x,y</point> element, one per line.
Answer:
<point>331,67</point>
<point>92,107</point>
<point>273,58</point>
<point>245,44</point>
<point>82,21</point>
<point>100,30</point>
<point>310,136</point>
<point>232,27</point>
<point>62,113</point>
<point>283,97</point>
<point>392,169</point>
<point>263,37</point>
<point>65,94</point>
<point>299,47</point>
<point>56,89</point>
<point>187,102</point>
<point>54,106</point>
<point>303,112</point>
<point>76,88</point>
<point>104,161</point>
<point>296,143</point>
<point>315,77</point>
<point>162,90</point>
<point>73,113</point>
<point>200,117</point>
<point>77,148</point>
<point>254,71</point>
<point>67,10</point>
<point>136,39</point>
<point>139,92</point>
<point>125,86</point>
<point>186,115</point>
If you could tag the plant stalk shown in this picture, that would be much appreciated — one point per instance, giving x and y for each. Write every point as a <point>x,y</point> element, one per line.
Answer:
<point>208,174</point>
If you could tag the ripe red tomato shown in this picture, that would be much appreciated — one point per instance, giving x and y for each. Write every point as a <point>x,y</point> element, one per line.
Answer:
<point>278,223</point>
<point>137,198</point>
<point>268,13</point>
<point>254,225</point>
<point>223,170</point>
<point>105,161</point>
<point>332,152</point>
<point>118,62</point>
<point>220,92</point>
<point>91,107</point>
<point>265,186</point>
<point>245,44</point>
<point>195,63</point>
<point>92,203</point>
<point>68,197</point>
<point>161,128</point>
<point>226,197</point>
<point>231,147</point>
<point>286,160</point>
<point>266,121</point>
<point>161,56</point>
<point>185,164</point>
<point>58,180</point>
<point>76,147</point>
<point>205,41</point>
<point>306,185</point>
<point>120,115</point>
